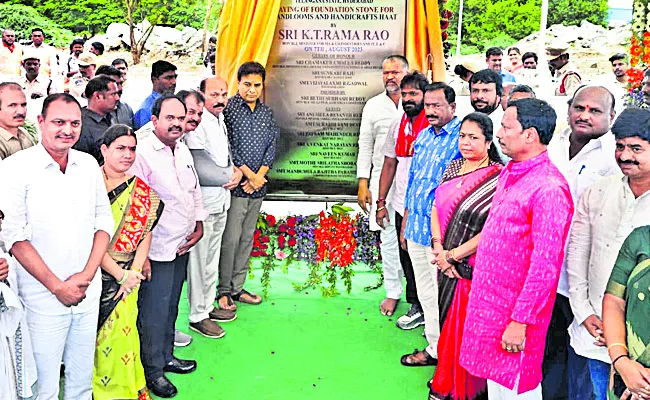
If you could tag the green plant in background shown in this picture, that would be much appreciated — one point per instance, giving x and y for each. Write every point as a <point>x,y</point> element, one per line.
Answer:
<point>22,19</point>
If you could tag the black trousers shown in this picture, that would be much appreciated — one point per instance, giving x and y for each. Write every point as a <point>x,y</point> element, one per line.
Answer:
<point>157,312</point>
<point>407,267</point>
<point>554,368</point>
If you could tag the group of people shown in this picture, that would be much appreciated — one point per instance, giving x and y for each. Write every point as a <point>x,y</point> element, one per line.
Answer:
<point>524,249</point>
<point>150,199</point>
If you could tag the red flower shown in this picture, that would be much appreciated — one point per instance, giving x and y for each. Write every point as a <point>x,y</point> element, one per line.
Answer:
<point>281,239</point>
<point>292,242</point>
<point>445,36</point>
<point>444,24</point>
<point>291,232</point>
<point>270,219</point>
<point>635,51</point>
<point>264,239</point>
<point>292,221</point>
<point>446,14</point>
<point>255,253</point>
<point>264,246</point>
<point>282,228</point>
<point>257,233</point>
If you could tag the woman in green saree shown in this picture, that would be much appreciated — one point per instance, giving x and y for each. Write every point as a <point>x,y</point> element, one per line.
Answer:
<point>136,208</point>
<point>626,318</point>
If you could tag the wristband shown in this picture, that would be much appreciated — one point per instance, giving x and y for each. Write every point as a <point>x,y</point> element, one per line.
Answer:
<point>124,278</point>
<point>618,358</point>
<point>380,200</point>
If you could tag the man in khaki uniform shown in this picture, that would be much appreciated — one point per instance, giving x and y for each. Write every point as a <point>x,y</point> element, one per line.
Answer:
<point>87,64</point>
<point>566,78</point>
<point>13,110</point>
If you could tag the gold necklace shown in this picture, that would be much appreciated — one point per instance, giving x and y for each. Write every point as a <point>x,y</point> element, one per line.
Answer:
<point>463,172</point>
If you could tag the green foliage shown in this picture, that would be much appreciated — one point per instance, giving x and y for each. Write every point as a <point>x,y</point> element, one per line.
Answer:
<point>82,16</point>
<point>572,12</point>
<point>488,23</point>
<point>22,19</point>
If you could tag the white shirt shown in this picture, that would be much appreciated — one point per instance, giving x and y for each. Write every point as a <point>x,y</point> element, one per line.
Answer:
<point>377,115</point>
<point>58,213</point>
<point>606,214</point>
<point>398,189</point>
<point>211,135</point>
<point>593,162</point>
<point>40,84</point>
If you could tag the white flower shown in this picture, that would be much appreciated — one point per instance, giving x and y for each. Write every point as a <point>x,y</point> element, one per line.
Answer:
<point>638,26</point>
<point>638,6</point>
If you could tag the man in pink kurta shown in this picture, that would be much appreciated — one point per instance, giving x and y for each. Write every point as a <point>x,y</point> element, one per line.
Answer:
<point>519,259</point>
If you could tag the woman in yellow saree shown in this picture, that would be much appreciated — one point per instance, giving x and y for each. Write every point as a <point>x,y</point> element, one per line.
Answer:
<point>136,208</point>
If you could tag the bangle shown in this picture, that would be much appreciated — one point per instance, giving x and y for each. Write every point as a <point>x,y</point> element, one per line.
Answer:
<point>381,209</point>
<point>453,255</point>
<point>618,358</point>
<point>617,344</point>
<point>381,200</point>
<point>124,278</point>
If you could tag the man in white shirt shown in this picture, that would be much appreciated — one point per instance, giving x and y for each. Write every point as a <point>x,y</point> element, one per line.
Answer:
<point>34,83</point>
<point>209,140</point>
<point>378,113</point>
<point>57,224</point>
<point>606,214</point>
<point>584,154</point>
<point>166,164</point>
<point>394,180</point>
<point>47,55</point>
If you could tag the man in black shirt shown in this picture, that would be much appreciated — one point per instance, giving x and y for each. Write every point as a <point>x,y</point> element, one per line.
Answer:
<point>252,134</point>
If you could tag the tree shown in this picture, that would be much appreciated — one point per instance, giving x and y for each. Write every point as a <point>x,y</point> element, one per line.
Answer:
<point>573,12</point>
<point>87,17</point>
<point>23,18</point>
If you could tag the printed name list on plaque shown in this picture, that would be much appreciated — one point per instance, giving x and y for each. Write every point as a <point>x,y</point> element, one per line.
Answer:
<point>325,63</point>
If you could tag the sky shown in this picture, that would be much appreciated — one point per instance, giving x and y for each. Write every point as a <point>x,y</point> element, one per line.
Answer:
<point>621,3</point>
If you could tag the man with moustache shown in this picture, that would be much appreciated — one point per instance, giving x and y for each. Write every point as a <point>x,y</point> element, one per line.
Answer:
<point>57,225</point>
<point>518,260</point>
<point>397,161</point>
<point>123,114</point>
<point>166,165</point>
<point>10,56</point>
<point>34,84</point>
<point>13,111</point>
<point>493,59</point>
<point>102,95</point>
<point>606,214</point>
<point>433,150</point>
<point>218,176</point>
<point>565,74</point>
<point>583,153</point>
<point>485,91</point>
<point>377,115</point>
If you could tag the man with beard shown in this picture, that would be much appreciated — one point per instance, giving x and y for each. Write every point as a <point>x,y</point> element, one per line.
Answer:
<point>485,91</point>
<point>10,55</point>
<point>76,48</point>
<point>529,60</point>
<point>583,153</point>
<point>34,84</point>
<point>433,150</point>
<point>13,110</point>
<point>606,214</point>
<point>397,161</point>
<point>123,114</point>
<point>46,54</point>
<point>102,95</point>
<point>377,115</point>
<point>166,164</point>
<point>208,143</point>
<point>619,67</point>
<point>163,79</point>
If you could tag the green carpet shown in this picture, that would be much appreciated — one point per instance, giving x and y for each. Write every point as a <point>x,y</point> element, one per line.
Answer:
<point>302,346</point>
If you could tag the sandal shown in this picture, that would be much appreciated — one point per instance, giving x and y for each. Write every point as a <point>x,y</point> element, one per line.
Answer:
<point>253,299</point>
<point>407,359</point>
<point>231,304</point>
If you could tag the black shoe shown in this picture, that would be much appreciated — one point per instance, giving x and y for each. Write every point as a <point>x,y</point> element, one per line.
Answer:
<point>162,387</point>
<point>178,366</point>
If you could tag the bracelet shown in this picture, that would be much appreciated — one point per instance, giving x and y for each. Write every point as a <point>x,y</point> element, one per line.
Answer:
<point>617,344</point>
<point>381,209</point>
<point>618,358</point>
<point>381,200</point>
<point>124,278</point>
<point>453,255</point>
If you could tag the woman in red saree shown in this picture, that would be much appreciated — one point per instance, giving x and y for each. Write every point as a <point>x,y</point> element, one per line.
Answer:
<point>461,207</point>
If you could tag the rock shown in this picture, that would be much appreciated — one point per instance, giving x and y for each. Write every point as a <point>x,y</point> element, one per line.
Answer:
<point>109,42</point>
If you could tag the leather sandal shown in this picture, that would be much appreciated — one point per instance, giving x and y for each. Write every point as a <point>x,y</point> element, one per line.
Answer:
<point>256,298</point>
<point>231,304</point>
<point>429,361</point>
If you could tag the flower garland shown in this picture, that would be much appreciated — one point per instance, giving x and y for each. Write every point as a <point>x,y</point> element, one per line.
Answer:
<point>330,243</point>
<point>639,52</point>
<point>445,16</point>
